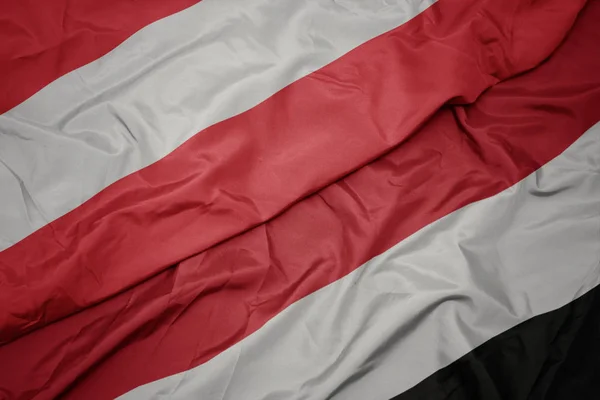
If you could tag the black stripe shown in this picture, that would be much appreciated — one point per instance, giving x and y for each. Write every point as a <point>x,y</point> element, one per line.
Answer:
<point>552,356</point>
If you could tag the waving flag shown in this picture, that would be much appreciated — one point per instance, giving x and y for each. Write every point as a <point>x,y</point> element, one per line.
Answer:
<point>299,199</point>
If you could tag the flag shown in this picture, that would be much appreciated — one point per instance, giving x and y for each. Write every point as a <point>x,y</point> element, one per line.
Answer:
<point>299,199</point>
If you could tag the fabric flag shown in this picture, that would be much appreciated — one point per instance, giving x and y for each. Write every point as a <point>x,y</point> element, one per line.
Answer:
<point>299,199</point>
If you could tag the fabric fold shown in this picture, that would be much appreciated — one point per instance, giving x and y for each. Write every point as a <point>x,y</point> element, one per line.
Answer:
<point>193,312</point>
<point>303,138</point>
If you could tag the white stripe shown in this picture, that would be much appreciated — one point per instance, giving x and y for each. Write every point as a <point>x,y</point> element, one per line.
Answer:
<point>172,79</point>
<point>427,301</point>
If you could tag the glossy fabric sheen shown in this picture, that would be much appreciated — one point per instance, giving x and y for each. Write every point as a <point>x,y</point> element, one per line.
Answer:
<point>172,79</point>
<point>190,313</point>
<point>425,302</point>
<point>43,40</point>
<point>245,170</point>
<point>553,356</point>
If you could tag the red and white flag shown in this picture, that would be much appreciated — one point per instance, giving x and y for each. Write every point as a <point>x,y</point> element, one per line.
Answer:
<point>299,199</point>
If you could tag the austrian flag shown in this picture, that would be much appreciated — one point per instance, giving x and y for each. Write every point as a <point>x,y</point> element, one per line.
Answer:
<point>300,199</point>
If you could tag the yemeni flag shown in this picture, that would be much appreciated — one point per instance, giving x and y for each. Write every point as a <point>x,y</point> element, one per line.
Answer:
<point>300,199</point>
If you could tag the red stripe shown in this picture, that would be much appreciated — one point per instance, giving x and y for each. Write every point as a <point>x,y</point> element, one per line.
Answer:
<point>245,170</point>
<point>41,41</point>
<point>191,312</point>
